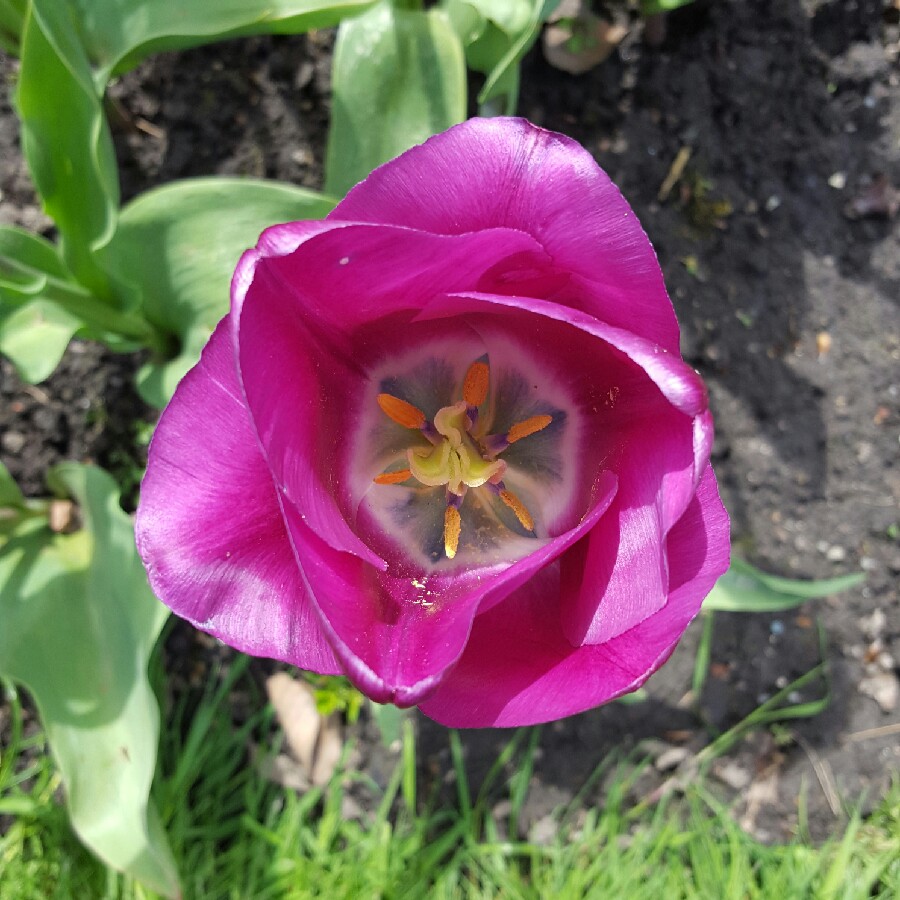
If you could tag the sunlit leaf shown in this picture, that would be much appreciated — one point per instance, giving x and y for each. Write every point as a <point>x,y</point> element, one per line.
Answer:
<point>66,140</point>
<point>35,336</point>
<point>10,495</point>
<point>78,624</point>
<point>178,245</point>
<point>119,33</point>
<point>12,21</point>
<point>652,7</point>
<point>399,77</point>
<point>34,332</point>
<point>497,34</point>
<point>744,588</point>
<point>27,262</point>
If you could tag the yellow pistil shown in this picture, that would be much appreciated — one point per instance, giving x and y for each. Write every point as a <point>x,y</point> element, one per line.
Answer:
<point>518,507</point>
<point>452,529</point>
<point>393,477</point>
<point>400,411</point>
<point>475,387</point>
<point>527,427</point>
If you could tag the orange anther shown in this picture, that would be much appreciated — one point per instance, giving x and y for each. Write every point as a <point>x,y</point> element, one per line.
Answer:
<point>392,477</point>
<point>401,412</point>
<point>528,426</point>
<point>518,507</point>
<point>475,387</point>
<point>452,529</point>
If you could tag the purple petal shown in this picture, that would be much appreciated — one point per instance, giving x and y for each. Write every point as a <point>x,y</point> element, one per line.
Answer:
<point>345,275</point>
<point>312,323</point>
<point>535,675</point>
<point>678,382</point>
<point>397,632</point>
<point>507,173</point>
<point>209,527</point>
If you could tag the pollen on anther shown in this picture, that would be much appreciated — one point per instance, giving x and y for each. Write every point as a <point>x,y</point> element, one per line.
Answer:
<point>393,477</point>
<point>452,529</point>
<point>475,386</point>
<point>518,507</point>
<point>400,411</point>
<point>527,427</point>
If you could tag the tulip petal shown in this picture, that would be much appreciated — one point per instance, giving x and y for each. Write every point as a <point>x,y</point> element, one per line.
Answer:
<point>535,675</point>
<point>508,173</point>
<point>638,404</point>
<point>343,274</point>
<point>678,382</point>
<point>209,527</point>
<point>397,632</point>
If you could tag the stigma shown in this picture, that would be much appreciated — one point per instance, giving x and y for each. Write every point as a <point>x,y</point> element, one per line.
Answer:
<point>461,457</point>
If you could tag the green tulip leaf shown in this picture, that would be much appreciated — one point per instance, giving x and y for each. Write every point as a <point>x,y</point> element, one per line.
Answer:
<point>10,495</point>
<point>66,140</point>
<point>12,21</point>
<point>497,34</point>
<point>79,623</point>
<point>399,77</point>
<point>652,7</point>
<point>35,336</point>
<point>744,588</point>
<point>178,246</point>
<point>27,264</point>
<point>118,34</point>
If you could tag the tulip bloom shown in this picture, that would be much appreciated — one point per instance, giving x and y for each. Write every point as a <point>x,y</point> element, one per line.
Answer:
<point>445,443</point>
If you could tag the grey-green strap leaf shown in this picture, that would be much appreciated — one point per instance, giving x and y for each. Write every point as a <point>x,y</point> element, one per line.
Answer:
<point>119,33</point>
<point>496,35</point>
<point>178,246</point>
<point>399,77</point>
<point>10,495</point>
<point>744,588</point>
<point>66,140</point>
<point>78,624</point>
<point>12,21</point>
<point>35,336</point>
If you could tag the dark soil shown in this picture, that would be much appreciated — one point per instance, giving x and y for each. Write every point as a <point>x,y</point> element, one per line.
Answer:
<point>788,301</point>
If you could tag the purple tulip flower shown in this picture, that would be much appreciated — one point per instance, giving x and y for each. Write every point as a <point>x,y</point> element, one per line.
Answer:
<point>445,443</point>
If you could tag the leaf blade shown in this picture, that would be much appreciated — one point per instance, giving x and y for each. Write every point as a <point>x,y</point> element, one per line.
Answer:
<point>79,622</point>
<point>163,251</point>
<point>399,77</point>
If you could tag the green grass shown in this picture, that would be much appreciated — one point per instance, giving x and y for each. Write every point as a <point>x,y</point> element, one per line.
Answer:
<point>237,836</point>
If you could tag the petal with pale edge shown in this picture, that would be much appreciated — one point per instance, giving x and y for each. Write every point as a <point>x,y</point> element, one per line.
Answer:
<point>640,405</point>
<point>508,173</point>
<point>519,669</point>
<point>397,633</point>
<point>209,527</point>
<point>302,350</point>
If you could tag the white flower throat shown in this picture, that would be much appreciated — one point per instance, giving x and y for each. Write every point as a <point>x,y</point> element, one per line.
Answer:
<point>461,456</point>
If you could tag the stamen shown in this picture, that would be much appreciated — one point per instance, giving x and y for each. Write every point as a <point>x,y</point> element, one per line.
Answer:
<point>400,411</point>
<point>527,427</point>
<point>518,507</point>
<point>475,387</point>
<point>452,529</point>
<point>393,477</point>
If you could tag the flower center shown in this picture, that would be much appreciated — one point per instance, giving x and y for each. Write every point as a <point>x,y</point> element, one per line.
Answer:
<point>461,456</point>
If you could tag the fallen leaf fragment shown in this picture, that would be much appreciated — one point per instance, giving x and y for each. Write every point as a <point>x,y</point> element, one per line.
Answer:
<point>676,170</point>
<point>823,343</point>
<point>315,741</point>
<point>60,516</point>
<point>883,688</point>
